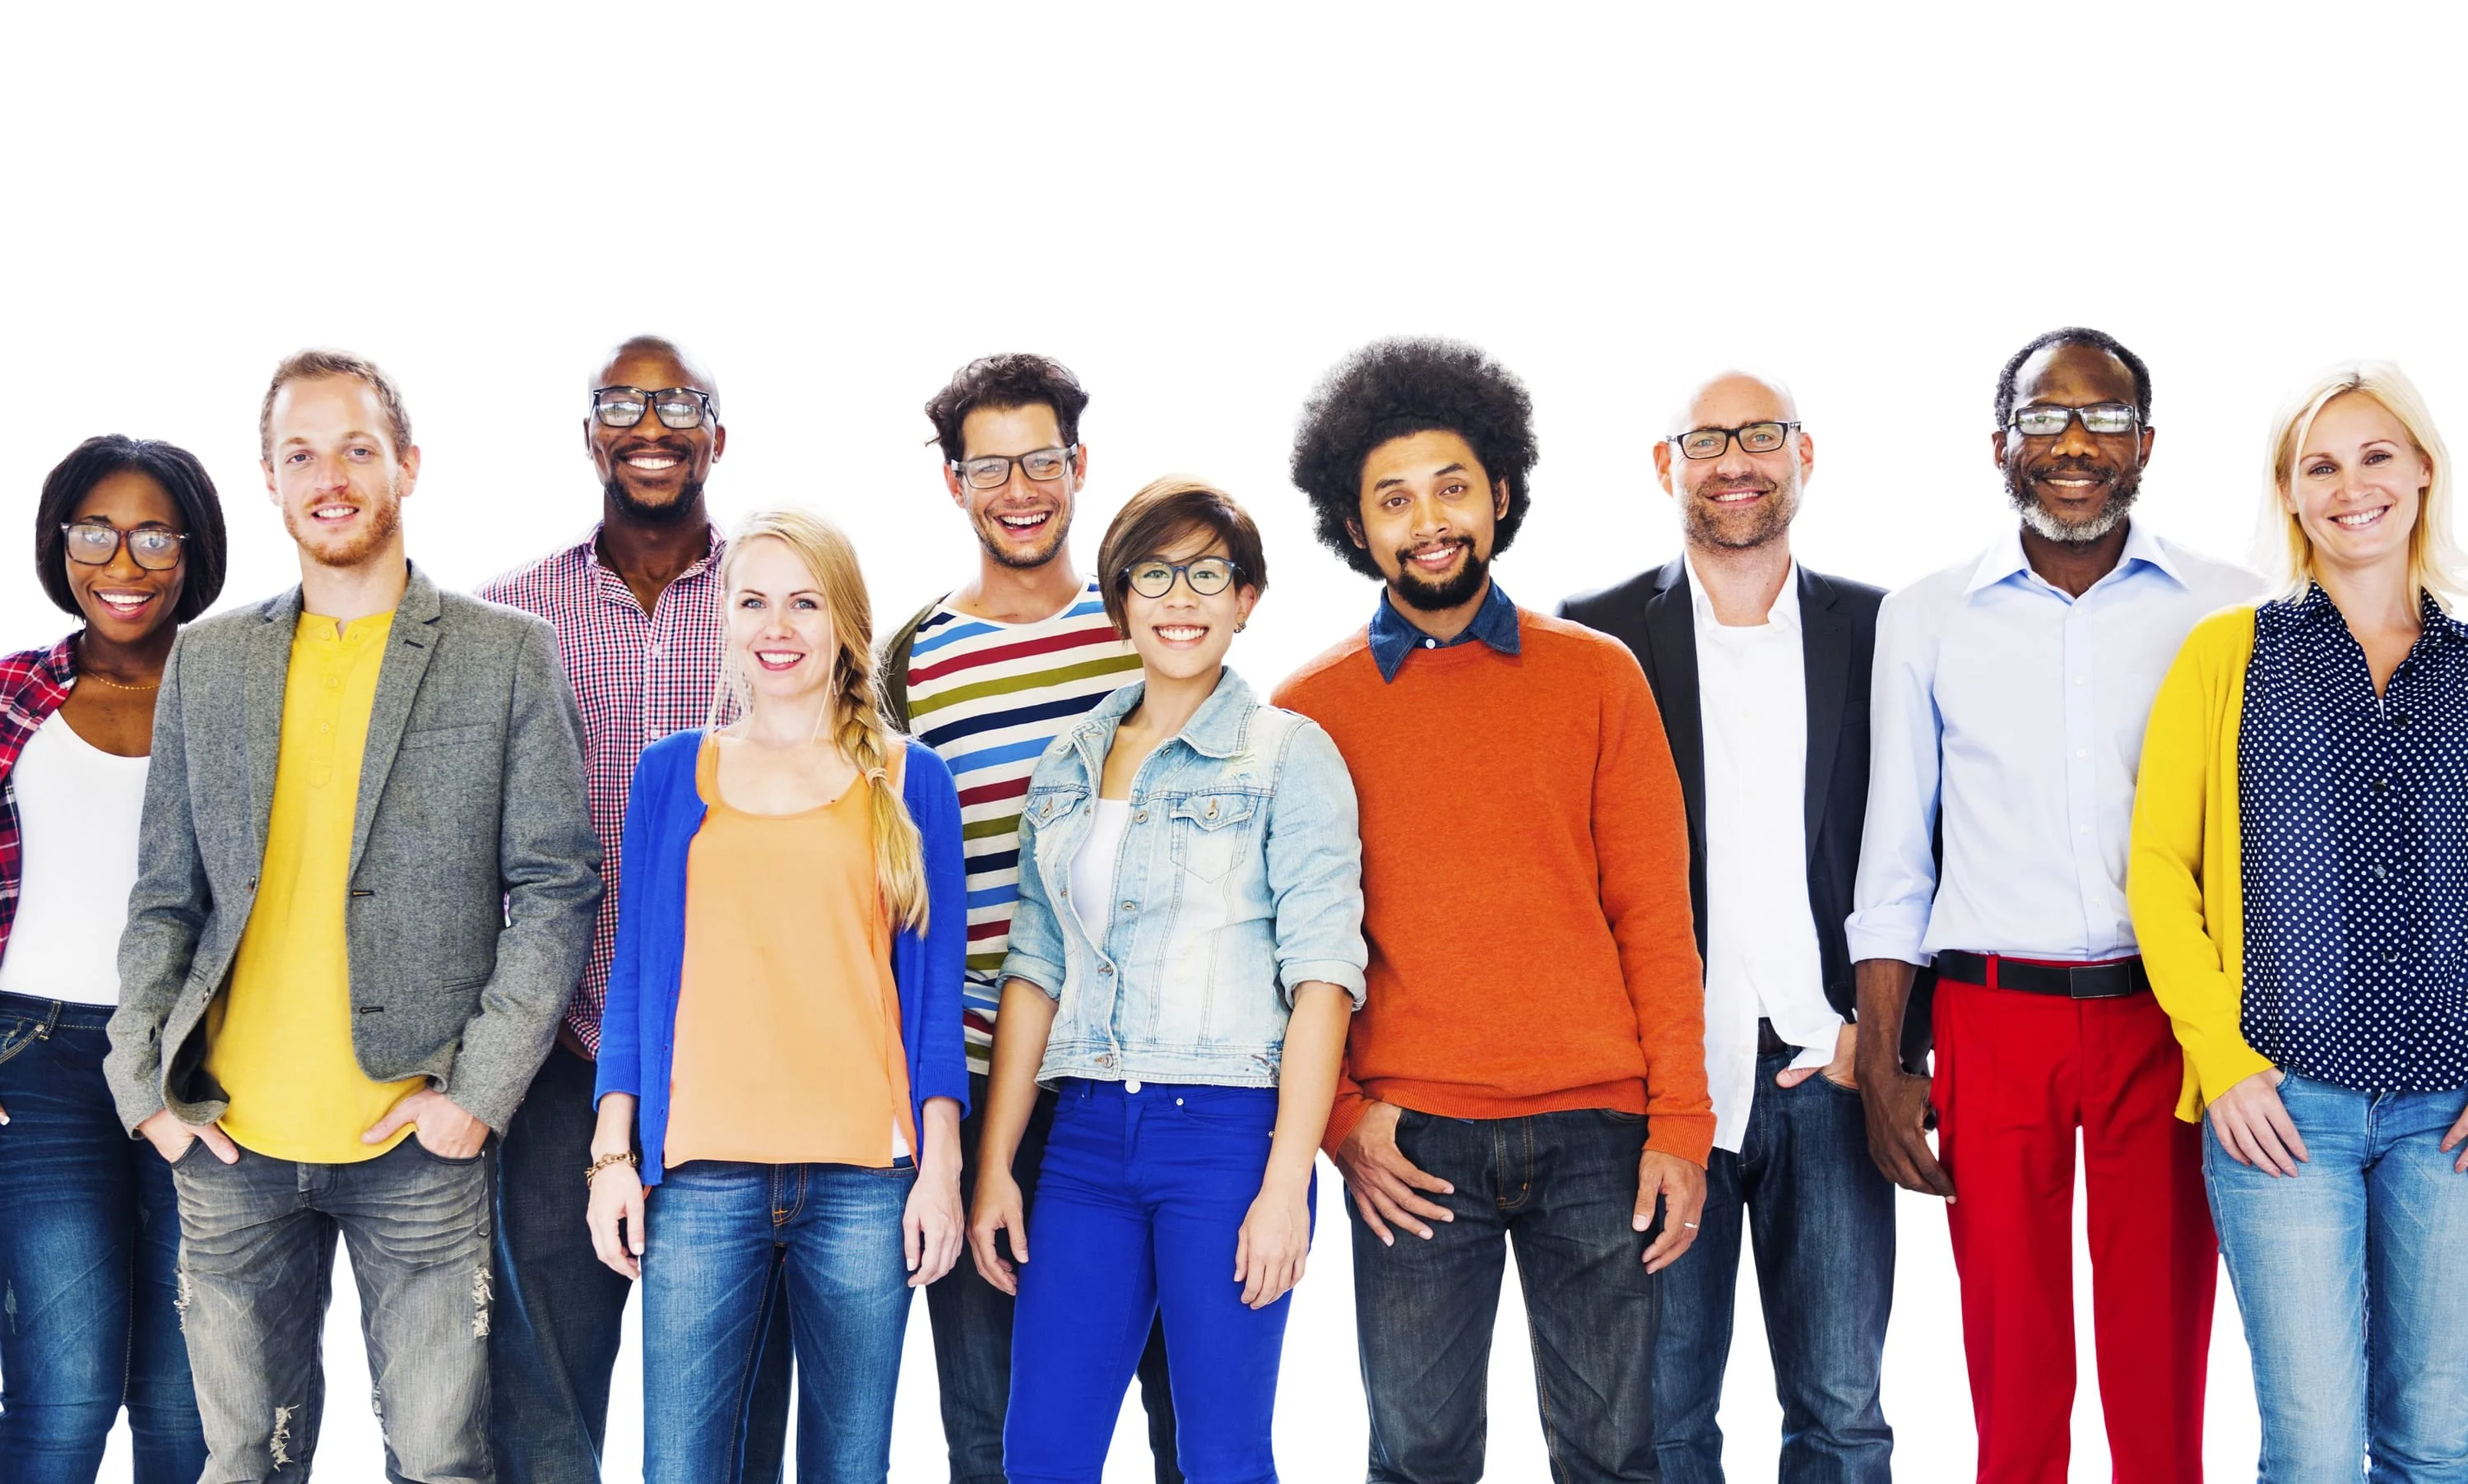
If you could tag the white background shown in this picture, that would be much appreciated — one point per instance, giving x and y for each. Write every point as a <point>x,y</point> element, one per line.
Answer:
<point>1200,210</point>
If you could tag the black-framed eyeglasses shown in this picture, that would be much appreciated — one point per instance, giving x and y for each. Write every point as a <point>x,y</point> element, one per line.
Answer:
<point>676,406</point>
<point>93,544</point>
<point>1709,442</point>
<point>1208,575</point>
<point>994,470</point>
<point>2047,419</point>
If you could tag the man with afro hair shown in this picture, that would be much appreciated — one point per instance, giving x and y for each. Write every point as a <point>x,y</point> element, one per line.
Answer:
<point>1530,1063</point>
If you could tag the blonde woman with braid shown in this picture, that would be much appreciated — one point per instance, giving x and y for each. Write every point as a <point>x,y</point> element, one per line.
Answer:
<point>781,1074</point>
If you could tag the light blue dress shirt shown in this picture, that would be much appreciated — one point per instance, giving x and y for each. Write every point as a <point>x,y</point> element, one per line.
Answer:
<point>2018,712</point>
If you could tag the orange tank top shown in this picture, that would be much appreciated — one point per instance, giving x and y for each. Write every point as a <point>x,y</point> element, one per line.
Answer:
<point>787,1035</point>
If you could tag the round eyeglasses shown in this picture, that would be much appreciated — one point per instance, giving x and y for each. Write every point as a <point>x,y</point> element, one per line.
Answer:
<point>676,406</point>
<point>2046,419</point>
<point>1208,575</point>
<point>1708,442</point>
<point>92,544</point>
<point>994,470</point>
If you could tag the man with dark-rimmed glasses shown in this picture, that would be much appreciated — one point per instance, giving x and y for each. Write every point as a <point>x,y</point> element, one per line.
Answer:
<point>986,675</point>
<point>2009,699</point>
<point>635,604</point>
<point>1760,667</point>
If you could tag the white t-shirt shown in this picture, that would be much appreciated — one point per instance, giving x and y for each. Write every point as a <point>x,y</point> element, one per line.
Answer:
<point>1093,870</point>
<point>1761,953</point>
<point>77,808</point>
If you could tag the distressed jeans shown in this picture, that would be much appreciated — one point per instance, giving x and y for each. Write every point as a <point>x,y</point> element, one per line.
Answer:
<point>257,1266</point>
<point>89,1241</point>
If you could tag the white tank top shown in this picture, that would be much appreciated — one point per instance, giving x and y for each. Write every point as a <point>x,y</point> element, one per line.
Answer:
<point>78,808</point>
<point>1093,870</point>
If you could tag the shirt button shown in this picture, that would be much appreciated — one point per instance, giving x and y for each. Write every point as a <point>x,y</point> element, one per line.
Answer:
<point>2082,679</point>
<point>2390,955</point>
<point>2399,719</point>
<point>1140,818</point>
<point>2082,752</point>
<point>2381,871</point>
<point>2081,829</point>
<point>1430,644</point>
<point>1130,906</point>
<point>2382,786</point>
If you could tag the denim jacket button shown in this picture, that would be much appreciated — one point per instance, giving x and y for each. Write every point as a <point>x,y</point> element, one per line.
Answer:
<point>1133,1086</point>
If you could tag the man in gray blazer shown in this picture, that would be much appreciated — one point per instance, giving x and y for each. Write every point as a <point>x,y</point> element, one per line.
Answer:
<point>368,884</point>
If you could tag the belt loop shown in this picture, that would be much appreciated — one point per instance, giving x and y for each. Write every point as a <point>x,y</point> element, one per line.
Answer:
<point>1990,959</point>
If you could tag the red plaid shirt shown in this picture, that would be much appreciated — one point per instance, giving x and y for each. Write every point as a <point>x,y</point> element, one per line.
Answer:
<point>33,684</point>
<point>637,678</point>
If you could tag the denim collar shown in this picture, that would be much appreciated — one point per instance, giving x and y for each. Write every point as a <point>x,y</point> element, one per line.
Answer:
<point>1218,729</point>
<point>1394,636</point>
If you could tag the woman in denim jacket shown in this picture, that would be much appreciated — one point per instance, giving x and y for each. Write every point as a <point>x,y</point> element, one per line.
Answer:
<point>1186,950</point>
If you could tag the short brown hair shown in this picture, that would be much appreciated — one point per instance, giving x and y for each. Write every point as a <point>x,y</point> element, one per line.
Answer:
<point>1165,513</point>
<point>309,365</point>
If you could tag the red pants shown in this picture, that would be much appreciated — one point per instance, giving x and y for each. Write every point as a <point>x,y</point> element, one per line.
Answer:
<point>2016,1074</point>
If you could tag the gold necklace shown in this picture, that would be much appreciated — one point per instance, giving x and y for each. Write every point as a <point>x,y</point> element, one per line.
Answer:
<point>85,673</point>
<point>88,675</point>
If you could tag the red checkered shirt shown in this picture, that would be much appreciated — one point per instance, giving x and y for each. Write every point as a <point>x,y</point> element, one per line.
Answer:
<point>637,678</point>
<point>33,684</point>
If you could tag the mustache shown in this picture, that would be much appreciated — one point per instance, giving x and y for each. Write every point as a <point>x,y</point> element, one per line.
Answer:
<point>678,451</point>
<point>2086,469</point>
<point>1714,486</point>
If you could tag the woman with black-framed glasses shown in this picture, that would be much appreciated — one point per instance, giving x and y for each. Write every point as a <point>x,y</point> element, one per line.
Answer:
<point>1183,964</point>
<point>128,536</point>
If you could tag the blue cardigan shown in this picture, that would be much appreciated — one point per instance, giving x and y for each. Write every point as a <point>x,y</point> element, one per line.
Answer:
<point>638,1026</point>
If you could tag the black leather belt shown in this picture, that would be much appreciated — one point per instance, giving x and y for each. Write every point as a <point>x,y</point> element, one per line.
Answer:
<point>1770,1041</point>
<point>2113,979</point>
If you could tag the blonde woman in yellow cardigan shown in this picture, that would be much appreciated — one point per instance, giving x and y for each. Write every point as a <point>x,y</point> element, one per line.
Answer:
<point>2299,886</point>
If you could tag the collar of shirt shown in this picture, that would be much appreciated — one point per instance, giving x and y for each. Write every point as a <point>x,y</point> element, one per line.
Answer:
<point>1783,615</point>
<point>1394,636</point>
<point>2004,561</point>
<point>612,584</point>
<point>2315,607</point>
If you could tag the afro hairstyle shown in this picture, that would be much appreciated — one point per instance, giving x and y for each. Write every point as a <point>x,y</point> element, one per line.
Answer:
<point>1392,389</point>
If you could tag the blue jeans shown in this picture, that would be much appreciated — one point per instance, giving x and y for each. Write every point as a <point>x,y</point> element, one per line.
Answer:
<point>2352,1275</point>
<point>1820,1225</point>
<point>89,1258</point>
<point>1142,1196</point>
<point>1563,1187</point>
<point>257,1268</point>
<point>553,1349</point>
<point>715,1231</point>
<point>973,1328</point>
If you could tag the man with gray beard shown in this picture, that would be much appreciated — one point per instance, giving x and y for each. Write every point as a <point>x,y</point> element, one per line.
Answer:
<point>2009,702</point>
<point>1760,669</point>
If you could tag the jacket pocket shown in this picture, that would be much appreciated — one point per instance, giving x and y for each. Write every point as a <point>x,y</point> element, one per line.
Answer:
<point>1212,832</point>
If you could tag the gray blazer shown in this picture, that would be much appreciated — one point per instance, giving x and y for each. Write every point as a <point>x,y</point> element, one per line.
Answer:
<point>475,875</point>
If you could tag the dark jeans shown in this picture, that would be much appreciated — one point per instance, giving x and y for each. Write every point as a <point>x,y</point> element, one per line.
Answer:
<point>89,1260</point>
<point>257,1268</point>
<point>1820,1225</point>
<point>560,1311</point>
<point>973,1326</point>
<point>1562,1187</point>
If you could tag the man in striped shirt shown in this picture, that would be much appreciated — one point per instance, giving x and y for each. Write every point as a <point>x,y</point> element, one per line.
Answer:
<point>987,676</point>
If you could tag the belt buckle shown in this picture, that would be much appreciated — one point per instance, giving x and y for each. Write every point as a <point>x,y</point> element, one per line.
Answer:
<point>2076,976</point>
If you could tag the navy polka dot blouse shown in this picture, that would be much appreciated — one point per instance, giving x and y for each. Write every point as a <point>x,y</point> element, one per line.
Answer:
<point>2355,822</point>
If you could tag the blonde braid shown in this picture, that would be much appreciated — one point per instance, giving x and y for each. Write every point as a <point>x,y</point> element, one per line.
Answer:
<point>898,849</point>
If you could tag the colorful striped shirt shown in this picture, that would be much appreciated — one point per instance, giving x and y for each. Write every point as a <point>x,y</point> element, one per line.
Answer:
<point>987,698</point>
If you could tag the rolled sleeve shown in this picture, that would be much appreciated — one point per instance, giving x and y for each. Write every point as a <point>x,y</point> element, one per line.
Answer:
<point>1898,868</point>
<point>1314,860</point>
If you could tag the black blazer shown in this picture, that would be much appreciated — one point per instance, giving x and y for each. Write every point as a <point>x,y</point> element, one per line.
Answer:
<point>1655,616</point>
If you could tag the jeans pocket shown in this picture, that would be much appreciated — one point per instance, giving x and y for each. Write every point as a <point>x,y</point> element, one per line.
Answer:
<point>448,1160</point>
<point>16,1034</point>
<point>185,1156</point>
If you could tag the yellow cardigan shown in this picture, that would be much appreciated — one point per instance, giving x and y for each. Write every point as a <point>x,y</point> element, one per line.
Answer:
<point>2183,877</point>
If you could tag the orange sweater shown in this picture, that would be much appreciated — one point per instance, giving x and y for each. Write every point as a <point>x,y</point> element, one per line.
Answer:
<point>1525,881</point>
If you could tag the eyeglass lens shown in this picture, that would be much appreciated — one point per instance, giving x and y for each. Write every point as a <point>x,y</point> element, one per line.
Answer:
<point>1708,442</point>
<point>623,406</point>
<point>2043,421</point>
<point>152,548</point>
<point>994,469</point>
<point>1208,576</point>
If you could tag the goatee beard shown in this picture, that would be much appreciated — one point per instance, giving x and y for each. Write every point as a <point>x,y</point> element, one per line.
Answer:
<point>383,522</point>
<point>1454,592</point>
<point>1774,516</point>
<point>675,512</point>
<point>2049,526</point>
<point>1028,562</point>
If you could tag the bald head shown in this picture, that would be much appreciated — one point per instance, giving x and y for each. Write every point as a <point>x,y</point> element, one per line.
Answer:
<point>1731,398</point>
<point>663,359</point>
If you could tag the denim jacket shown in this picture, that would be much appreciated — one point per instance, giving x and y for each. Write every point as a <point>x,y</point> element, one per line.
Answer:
<point>1239,876</point>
